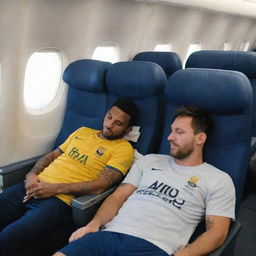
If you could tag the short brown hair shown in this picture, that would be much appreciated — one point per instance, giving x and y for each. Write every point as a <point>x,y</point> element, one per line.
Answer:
<point>201,121</point>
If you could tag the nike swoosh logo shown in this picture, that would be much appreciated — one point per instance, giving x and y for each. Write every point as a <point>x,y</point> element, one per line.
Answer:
<point>156,169</point>
<point>78,138</point>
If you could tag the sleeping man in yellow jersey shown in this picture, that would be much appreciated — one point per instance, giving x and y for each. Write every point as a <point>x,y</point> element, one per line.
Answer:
<point>88,162</point>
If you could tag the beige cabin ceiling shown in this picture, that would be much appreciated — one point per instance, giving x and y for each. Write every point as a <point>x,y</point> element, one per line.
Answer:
<point>240,7</point>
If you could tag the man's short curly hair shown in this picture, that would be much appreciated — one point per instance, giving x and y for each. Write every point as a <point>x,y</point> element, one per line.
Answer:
<point>129,108</point>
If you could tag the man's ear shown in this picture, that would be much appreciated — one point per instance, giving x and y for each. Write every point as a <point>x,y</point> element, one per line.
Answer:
<point>201,138</point>
<point>128,129</point>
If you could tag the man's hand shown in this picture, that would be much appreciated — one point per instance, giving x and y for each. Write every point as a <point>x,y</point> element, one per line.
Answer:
<point>90,228</point>
<point>31,181</point>
<point>42,190</point>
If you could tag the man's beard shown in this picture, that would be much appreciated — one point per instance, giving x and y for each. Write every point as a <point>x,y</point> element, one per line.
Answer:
<point>113,137</point>
<point>182,153</point>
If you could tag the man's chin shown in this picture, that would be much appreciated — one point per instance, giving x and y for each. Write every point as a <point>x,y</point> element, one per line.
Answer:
<point>111,136</point>
<point>106,135</point>
<point>177,155</point>
<point>180,155</point>
<point>173,152</point>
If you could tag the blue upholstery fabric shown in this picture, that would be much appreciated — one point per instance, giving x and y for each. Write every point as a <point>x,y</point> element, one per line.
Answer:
<point>143,83</point>
<point>244,62</point>
<point>169,61</point>
<point>86,97</point>
<point>228,97</point>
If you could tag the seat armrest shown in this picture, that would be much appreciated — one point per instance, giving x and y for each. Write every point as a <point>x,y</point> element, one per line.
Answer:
<point>84,207</point>
<point>14,173</point>
<point>228,245</point>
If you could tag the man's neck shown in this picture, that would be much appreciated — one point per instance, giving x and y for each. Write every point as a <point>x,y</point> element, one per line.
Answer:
<point>101,136</point>
<point>192,160</point>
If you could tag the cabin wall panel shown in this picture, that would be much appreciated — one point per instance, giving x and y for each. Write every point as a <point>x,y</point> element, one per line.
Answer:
<point>116,22</point>
<point>181,26</point>
<point>12,15</point>
<point>75,28</point>
<point>163,25</point>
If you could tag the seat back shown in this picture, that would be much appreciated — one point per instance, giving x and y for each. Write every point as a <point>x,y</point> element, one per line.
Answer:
<point>143,83</point>
<point>227,95</point>
<point>170,62</point>
<point>86,97</point>
<point>244,62</point>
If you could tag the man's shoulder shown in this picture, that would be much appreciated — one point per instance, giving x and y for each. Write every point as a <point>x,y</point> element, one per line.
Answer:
<point>121,143</point>
<point>215,171</point>
<point>212,168</point>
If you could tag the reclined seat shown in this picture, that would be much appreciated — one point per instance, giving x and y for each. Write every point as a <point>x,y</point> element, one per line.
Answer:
<point>170,62</point>
<point>227,95</point>
<point>86,97</point>
<point>244,62</point>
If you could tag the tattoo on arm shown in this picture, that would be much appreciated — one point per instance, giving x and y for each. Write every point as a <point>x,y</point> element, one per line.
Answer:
<point>45,161</point>
<point>111,176</point>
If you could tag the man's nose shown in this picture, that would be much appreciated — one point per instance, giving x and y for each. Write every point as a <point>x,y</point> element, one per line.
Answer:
<point>170,136</point>
<point>109,124</point>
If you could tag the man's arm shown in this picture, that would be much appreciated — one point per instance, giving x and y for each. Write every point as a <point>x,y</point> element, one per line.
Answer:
<point>107,178</point>
<point>107,211</point>
<point>216,232</point>
<point>45,161</point>
<point>41,164</point>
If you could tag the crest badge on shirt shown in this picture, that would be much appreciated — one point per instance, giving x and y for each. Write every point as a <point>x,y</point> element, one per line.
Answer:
<point>100,151</point>
<point>193,180</point>
<point>191,184</point>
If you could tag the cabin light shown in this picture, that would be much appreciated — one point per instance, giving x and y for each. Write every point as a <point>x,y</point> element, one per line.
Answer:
<point>250,1</point>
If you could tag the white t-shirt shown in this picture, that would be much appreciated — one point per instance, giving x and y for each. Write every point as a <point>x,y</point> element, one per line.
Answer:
<point>170,201</point>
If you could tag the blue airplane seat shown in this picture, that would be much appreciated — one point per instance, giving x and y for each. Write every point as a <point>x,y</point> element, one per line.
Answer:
<point>86,97</point>
<point>86,106</point>
<point>244,62</point>
<point>169,61</point>
<point>227,95</point>
<point>143,83</point>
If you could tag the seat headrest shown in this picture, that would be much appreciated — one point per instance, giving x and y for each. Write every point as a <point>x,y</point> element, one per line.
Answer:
<point>244,62</point>
<point>135,79</point>
<point>220,91</point>
<point>169,61</point>
<point>88,75</point>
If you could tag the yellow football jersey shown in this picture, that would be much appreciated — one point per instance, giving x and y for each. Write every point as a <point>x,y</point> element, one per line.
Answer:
<point>85,155</point>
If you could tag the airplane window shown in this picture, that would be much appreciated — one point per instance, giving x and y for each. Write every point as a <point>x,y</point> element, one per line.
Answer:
<point>192,48</point>
<point>163,48</point>
<point>244,46</point>
<point>227,46</point>
<point>106,53</point>
<point>42,79</point>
